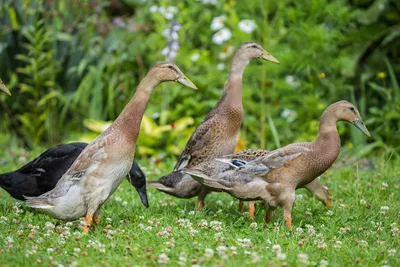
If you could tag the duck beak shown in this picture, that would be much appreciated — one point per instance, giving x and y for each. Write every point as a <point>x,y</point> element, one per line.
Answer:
<point>267,56</point>
<point>4,88</point>
<point>361,126</point>
<point>186,82</point>
<point>143,195</point>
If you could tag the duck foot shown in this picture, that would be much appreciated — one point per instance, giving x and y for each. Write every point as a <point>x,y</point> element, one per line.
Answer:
<point>200,205</point>
<point>96,219</point>
<point>251,210</point>
<point>88,223</point>
<point>328,203</point>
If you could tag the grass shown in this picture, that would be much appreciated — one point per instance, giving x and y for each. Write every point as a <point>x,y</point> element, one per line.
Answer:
<point>361,228</point>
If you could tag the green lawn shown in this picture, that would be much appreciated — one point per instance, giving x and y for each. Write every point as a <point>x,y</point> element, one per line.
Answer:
<point>361,228</point>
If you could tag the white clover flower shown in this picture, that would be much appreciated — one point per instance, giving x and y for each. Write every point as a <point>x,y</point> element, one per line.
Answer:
<point>195,57</point>
<point>363,202</point>
<point>211,2</point>
<point>281,256</point>
<point>329,213</point>
<point>323,263</point>
<point>253,225</point>
<point>222,251</point>
<point>163,258</point>
<point>292,81</point>
<point>299,231</point>
<point>218,23</point>
<point>221,36</point>
<point>302,258</point>
<point>338,244</point>
<point>247,25</point>
<point>226,52</point>
<point>384,186</point>
<point>308,211</point>
<point>391,252</point>
<point>384,209</point>
<point>208,253</point>
<point>363,243</point>
<point>233,250</point>
<point>276,248</point>
<point>290,116</point>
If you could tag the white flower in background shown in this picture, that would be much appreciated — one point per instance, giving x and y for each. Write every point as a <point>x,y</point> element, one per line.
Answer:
<point>323,263</point>
<point>281,256</point>
<point>168,12</point>
<point>292,81</point>
<point>153,9</point>
<point>289,115</point>
<point>221,36</point>
<point>221,66</point>
<point>247,25</point>
<point>208,253</point>
<point>363,202</point>
<point>384,209</point>
<point>226,52</point>
<point>163,258</point>
<point>195,57</point>
<point>218,23</point>
<point>276,248</point>
<point>302,258</point>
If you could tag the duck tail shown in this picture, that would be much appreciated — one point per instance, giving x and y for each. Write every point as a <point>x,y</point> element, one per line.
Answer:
<point>38,203</point>
<point>204,179</point>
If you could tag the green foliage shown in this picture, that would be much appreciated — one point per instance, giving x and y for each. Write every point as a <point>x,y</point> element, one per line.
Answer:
<point>66,62</point>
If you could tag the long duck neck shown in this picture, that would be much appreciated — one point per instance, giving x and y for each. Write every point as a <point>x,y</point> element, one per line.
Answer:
<point>232,95</point>
<point>131,116</point>
<point>328,138</point>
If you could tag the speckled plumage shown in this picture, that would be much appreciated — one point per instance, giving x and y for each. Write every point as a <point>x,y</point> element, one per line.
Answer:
<point>275,175</point>
<point>100,168</point>
<point>218,134</point>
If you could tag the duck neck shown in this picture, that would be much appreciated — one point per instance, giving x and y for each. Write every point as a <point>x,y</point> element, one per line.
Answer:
<point>131,116</point>
<point>232,94</point>
<point>328,138</point>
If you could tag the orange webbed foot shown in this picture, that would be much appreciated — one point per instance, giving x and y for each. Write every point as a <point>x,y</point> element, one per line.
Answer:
<point>88,223</point>
<point>241,206</point>
<point>288,220</point>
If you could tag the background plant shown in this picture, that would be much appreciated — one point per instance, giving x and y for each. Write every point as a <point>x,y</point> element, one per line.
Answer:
<point>68,61</point>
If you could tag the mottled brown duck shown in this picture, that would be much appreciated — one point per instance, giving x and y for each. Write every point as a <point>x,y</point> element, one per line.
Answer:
<point>218,134</point>
<point>273,176</point>
<point>103,164</point>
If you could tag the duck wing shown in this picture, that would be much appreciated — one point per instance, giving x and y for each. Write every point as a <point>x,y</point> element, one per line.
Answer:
<point>195,151</point>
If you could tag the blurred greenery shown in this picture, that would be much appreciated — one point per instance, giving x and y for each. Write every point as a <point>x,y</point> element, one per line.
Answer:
<point>70,63</point>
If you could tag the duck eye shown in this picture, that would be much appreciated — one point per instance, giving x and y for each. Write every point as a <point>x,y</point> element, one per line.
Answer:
<point>254,46</point>
<point>170,67</point>
<point>351,108</point>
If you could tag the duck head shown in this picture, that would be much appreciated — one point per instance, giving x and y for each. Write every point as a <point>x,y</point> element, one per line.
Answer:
<point>137,178</point>
<point>249,51</point>
<point>166,71</point>
<point>345,111</point>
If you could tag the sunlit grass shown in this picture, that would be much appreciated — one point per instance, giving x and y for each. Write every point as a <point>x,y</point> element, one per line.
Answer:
<point>362,227</point>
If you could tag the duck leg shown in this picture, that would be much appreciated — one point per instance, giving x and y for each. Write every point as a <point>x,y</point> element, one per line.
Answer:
<point>96,217</point>
<point>269,214</point>
<point>241,206</point>
<point>201,196</point>
<point>287,209</point>
<point>88,222</point>
<point>251,210</point>
<point>320,191</point>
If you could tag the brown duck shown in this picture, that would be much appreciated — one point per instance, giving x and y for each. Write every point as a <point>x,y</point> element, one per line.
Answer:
<point>103,164</point>
<point>273,176</point>
<point>218,134</point>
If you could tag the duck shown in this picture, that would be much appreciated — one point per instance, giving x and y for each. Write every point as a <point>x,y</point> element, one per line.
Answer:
<point>4,89</point>
<point>42,174</point>
<point>218,133</point>
<point>274,176</point>
<point>101,166</point>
